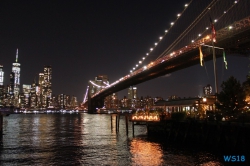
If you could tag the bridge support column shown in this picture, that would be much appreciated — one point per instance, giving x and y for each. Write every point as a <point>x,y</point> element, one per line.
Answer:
<point>95,103</point>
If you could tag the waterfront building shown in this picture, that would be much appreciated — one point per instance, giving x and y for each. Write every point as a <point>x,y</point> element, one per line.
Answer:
<point>192,105</point>
<point>41,91</point>
<point>124,102</point>
<point>41,83</point>
<point>149,102</point>
<point>73,102</point>
<point>22,100</point>
<point>33,96</point>
<point>1,85</point>
<point>11,85</point>
<point>132,92</point>
<point>140,103</point>
<point>67,104</point>
<point>1,95</point>
<point>54,101</point>
<point>5,96</point>
<point>26,93</point>
<point>47,85</point>
<point>1,75</point>
<point>111,101</point>
<point>132,96</point>
<point>114,101</point>
<point>62,101</point>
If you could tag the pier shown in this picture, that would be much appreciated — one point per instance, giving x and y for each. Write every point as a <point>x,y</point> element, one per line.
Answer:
<point>210,134</point>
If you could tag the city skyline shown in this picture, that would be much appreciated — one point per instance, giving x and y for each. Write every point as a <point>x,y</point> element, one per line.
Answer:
<point>81,40</point>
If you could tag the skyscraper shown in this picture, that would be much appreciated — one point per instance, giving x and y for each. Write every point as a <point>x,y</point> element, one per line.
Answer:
<point>47,87</point>
<point>26,92</point>
<point>132,96</point>
<point>12,82</point>
<point>33,96</point>
<point>47,80</point>
<point>1,85</point>
<point>132,93</point>
<point>1,75</point>
<point>16,70</point>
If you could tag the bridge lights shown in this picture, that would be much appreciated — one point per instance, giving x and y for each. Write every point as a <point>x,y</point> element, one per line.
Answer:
<point>230,27</point>
<point>136,65</point>
<point>199,35</point>
<point>151,49</point>
<point>156,44</point>
<point>186,5</point>
<point>147,54</point>
<point>207,28</point>
<point>172,23</point>
<point>139,61</point>
<point>215,20</point>
<point>192,41</point>
<point>160,37</point>
<point>143,58</point>
<point>178,15</point>
<point>166,31</point>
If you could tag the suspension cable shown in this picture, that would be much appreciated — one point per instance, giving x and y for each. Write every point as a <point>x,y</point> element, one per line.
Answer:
<point>183,34</point>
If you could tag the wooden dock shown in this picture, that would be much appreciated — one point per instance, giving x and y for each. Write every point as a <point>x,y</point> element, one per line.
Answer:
<point>193,132</point>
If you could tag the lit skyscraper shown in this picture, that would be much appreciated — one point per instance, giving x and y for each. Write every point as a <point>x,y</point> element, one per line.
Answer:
<point>47,80</point>
<point>1,75</point>
<point>47,87</point>
<point>1,86</point>
<point>132,93</point>
<point>41,84</point>
<point>16,70</point>
<point>33,97</point>
<point>41,79</point>
<point>132,96</point>
<point>26,92</point>
<point>12,82</point>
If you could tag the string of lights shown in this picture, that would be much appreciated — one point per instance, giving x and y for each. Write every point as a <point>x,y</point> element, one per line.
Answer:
<point>161,37</point>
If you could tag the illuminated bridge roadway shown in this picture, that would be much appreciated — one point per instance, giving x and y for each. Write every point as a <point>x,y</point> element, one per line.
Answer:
<point>234,38</point>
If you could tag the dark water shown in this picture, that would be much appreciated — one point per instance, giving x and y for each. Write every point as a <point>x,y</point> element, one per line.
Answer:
<point>86,139</point>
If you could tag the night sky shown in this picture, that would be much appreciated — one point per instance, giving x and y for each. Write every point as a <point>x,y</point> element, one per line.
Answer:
<point>81,39</point>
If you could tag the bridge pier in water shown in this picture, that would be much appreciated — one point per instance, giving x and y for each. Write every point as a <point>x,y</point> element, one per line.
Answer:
<point>95,103</point>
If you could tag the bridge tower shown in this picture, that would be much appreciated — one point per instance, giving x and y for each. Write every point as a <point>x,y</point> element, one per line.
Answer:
<point>95,86</point>
<point>93,103</point>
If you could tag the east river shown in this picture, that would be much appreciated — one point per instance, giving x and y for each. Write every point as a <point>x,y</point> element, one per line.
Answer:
<point>87,139</point>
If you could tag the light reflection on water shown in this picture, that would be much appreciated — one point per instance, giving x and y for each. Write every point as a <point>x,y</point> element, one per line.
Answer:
<point>85,139</point>
<point>146,153</point>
